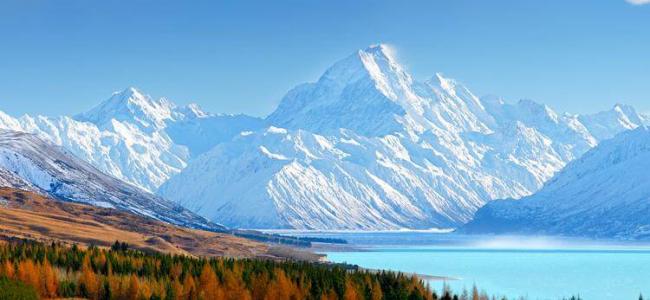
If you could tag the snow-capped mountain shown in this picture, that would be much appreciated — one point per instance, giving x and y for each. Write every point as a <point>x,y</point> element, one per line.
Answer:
<point>621,117</point>
<point>9,179</point>
<point>366,146</point>
<point>27,162</point>
<point>603,194</point>
<point>134,137</point>
<point>369,147</point>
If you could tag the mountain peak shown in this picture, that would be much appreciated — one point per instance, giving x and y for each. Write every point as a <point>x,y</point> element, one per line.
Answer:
<point>380,58</point>
<point>445,83</point>
<point>196,110</point>
<point>129,91</point>
<point>368,84</point>
<point>623,117</point>
<point>191,111</point>
<point>130,105</point>
<point>625,109</point>
<point>375,62</point>
<point>380,50</point>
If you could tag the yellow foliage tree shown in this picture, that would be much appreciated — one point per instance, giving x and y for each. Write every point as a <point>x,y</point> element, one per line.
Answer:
<point>351,292</point>
<point>283,288</point>
<point>178,289</point>
<point>189,288</point>
<point>331,295</point>
<point>235,286</point>
<point>176,271</point>
<point>209,287</point>
<point>7,269</point>
<point>134,288</point>
<point>375,292</point>
<point>49,281</point>
<point>89,279</point>
<point>28,273</point>
<point>259,286</point>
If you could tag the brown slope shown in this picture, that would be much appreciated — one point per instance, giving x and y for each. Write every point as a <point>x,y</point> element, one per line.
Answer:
<point>25,214</point>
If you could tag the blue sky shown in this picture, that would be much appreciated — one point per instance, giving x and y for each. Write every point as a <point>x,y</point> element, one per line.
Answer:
<point>63,57</point>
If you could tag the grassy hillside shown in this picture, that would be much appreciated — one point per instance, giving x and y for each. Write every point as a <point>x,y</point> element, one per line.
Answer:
<point>37,217</point>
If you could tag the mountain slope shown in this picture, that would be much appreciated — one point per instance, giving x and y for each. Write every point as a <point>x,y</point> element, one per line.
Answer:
<point>30,215</point>
<point>134,137</point>
<point>369,147</point>
<point>623,117</point>
<point>605,193</point>
<point>31,162</point>
<point>366,142</point>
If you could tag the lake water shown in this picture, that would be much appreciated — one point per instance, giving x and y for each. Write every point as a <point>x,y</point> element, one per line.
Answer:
<point>537,268</point>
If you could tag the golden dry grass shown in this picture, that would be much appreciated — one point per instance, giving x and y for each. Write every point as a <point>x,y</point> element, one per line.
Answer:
<point>33,216</point>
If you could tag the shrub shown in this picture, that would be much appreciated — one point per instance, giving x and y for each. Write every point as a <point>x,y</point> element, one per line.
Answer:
<point>14,290</point>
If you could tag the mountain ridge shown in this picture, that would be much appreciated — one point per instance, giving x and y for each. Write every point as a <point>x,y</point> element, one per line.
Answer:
<point>51,170</point>
<point>603,194</point>
<point>135,138</point>
<point>366,137</point>
<point>369,147</point>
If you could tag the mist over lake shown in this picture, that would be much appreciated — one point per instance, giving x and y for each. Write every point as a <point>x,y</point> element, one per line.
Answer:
<point>533,267</point>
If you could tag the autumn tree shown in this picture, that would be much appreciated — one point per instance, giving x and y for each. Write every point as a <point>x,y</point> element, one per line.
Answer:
<point>94,273</point>
<point>7,269</point>
<point>209,287</point>
<point>49,280</point>
<point>28,273</point>
<point>88,281</point>
<point>174,291</point>
<point>259,285</point>
<point>375,291</point>
<point>329,295</point>
<point>281,287</point>
<point>351,292</point>
<point>235,286</point>
<point>189,288</point>
<point>134,288</point>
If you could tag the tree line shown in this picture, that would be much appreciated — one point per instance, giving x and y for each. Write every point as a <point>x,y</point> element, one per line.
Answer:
<point>56,270</point>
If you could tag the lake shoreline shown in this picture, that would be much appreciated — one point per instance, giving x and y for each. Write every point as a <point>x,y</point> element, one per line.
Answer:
<point>424,277</point>
<point>504,266</point>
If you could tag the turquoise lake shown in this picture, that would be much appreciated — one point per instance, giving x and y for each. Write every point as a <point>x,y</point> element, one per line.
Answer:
<point>536,268</point>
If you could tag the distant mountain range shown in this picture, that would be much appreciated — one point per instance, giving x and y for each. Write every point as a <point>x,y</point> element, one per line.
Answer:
<point>367,146</point>
<point>135,138</point>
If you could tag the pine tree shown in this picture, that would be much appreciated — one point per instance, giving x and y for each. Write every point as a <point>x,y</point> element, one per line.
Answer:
<point>106,291</point>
